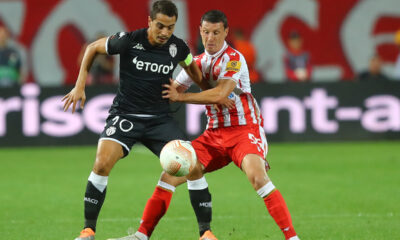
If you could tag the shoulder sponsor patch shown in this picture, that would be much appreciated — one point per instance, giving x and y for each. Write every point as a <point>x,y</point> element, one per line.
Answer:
<point>233,66</point>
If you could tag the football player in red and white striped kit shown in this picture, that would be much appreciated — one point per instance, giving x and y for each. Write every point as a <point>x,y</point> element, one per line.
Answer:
<point>233,134</point>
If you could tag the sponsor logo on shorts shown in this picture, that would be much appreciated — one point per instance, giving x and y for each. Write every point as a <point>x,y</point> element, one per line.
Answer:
<point>111,130</point>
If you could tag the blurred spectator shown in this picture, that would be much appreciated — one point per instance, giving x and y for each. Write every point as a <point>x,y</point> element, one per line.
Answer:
<point>102,69</point>
<point>199,46</point>
<point>374,71</point>
<point>245,46</point>
<point>396,74</point>
<point>296,60</point>
<point>10,62</point>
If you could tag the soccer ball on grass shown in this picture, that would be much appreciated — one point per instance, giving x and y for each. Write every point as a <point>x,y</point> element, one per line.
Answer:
<point>178,158</point>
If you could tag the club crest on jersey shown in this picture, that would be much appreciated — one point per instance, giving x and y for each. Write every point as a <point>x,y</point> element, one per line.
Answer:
<point>111,130</point>
<point>173,50</point>
<point>233,66</point>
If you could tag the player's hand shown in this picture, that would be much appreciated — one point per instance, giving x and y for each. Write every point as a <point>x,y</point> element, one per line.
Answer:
<point>73,97</point>
<point>228,103</point>
<point>170,91</point>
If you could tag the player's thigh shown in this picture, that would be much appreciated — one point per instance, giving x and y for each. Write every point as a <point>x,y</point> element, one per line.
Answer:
<point>108,153</point>
<point>248,140</point>
<point>124,130</point>
<point>209,152</point>
<point>161,132</point>
<point>254,168</point>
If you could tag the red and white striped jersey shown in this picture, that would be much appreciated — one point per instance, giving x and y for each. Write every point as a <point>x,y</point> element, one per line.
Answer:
<point>228,63</point>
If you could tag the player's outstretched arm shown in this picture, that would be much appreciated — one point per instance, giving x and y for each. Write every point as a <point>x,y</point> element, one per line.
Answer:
<point>195,74</point>
<point>216,95</point>
<point>78,92</point>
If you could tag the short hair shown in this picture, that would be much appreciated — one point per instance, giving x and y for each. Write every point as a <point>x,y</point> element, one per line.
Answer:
<point>164,7</point>
<point>215,16</point>
<point>294,35</point>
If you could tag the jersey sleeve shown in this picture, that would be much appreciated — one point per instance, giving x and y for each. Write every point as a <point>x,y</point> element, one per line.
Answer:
<point>232,67</point>
<point>188,60</point>
<point>117,43</point>
<point>185,57</point>
<point>184,79</point>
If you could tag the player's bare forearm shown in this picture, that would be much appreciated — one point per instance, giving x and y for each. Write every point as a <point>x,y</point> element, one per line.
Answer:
<point>195,74</point>
<point>180,88</point>
<point>78,92</point>
<point>96,47</point>
<point>217,95</point>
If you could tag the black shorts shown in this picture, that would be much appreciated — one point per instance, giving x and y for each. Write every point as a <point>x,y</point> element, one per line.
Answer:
<point>154,133</point>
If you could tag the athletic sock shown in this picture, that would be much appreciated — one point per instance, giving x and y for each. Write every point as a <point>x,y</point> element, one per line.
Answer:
<point>200,198</point>
<point>156,207</point>
<point>277,209</point>
<point>94,197</point>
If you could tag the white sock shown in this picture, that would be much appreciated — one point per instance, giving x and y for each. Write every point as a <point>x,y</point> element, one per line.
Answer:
<point>100,182</point>
<point>266,189</point>
<point>294,238</point>
<point>198,184</point>
<point>141,236</point>
<point>166,186</point>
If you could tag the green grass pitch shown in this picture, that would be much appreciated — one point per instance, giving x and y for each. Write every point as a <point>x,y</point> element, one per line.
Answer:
<point>336,191</point>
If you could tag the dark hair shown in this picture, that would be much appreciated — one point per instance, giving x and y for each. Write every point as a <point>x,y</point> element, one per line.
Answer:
<point>164,7</point>
<point>214,16</point>
<point>294,34</point>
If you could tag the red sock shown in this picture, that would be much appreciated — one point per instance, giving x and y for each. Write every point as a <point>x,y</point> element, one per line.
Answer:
<point>280,213</point>
<point>155,208</point>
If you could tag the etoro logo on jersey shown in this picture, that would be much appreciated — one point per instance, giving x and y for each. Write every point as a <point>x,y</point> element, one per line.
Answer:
<point>152,67</point>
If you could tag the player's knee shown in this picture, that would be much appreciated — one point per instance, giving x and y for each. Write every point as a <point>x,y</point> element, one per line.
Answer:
<point>103,165</point>
<point>172,180</point>
<point>196,173</point>
<point>258,180</point>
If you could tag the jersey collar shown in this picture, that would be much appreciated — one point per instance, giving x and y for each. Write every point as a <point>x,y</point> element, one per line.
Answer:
<point>219,52</point>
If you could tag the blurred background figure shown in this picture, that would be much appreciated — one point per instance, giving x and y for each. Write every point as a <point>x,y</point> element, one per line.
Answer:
<point>396,74</point>
<point>374,71</point>
<point>296,60</point>
<point>199,45</point>
<point>10,62</point>
<point>244,45</point>
<point>102,69</point>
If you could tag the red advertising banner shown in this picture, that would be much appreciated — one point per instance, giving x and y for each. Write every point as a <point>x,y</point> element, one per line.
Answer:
<point>340,36</point>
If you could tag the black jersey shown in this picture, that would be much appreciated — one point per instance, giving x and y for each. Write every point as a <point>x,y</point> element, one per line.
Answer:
<point>144,68</point>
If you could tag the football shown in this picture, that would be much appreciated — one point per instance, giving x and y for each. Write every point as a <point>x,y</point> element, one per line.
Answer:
<point>178,158</point>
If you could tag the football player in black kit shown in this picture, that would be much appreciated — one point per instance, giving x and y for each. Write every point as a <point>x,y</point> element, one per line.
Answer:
<point>148,58</point>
